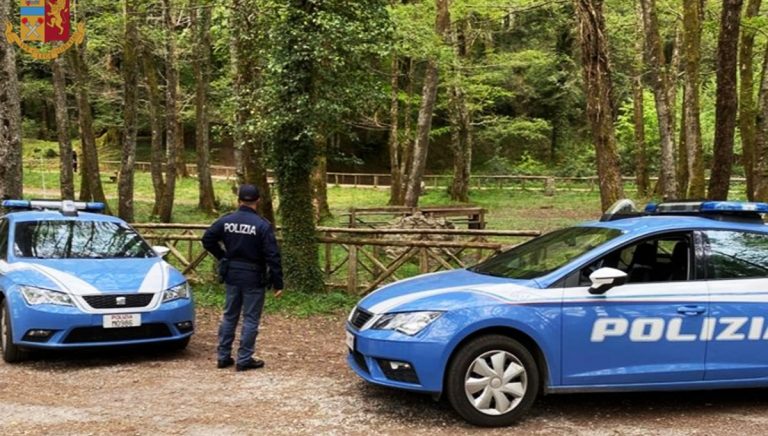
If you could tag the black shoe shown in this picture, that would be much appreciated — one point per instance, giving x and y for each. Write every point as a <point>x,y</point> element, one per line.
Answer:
<point>251,364</point>
<point>225,363</point>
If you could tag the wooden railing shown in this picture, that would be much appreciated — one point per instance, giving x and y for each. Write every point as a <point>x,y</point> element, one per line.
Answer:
<point>382,180</point>
<point>358,260</point>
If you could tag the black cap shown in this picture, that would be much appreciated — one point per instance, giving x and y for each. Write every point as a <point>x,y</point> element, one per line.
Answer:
<point>248,193</point>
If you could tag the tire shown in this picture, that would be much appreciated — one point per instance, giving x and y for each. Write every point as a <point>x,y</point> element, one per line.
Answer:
<point>477,392</point>
<point>11,352</point>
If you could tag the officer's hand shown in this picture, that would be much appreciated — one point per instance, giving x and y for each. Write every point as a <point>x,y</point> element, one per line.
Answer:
<point>278,293</point>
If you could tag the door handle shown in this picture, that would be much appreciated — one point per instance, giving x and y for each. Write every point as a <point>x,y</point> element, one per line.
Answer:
<point>691,310</point>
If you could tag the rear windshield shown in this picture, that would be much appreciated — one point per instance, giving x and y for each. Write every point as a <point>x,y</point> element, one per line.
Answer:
<point>545,254</point>
<point>78,240</point>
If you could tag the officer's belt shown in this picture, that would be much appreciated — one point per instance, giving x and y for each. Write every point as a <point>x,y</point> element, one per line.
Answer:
<point>245,266</point>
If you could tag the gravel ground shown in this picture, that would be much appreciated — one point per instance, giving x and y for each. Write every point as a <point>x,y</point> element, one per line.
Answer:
<point>306,388</point>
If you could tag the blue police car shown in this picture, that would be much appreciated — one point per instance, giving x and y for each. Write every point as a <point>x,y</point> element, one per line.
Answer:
<point>71,278</point>
<point>670,299</point>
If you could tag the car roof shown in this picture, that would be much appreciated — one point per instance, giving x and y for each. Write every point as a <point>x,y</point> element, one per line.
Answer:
<point>656,223</point>
<point>54,215</point>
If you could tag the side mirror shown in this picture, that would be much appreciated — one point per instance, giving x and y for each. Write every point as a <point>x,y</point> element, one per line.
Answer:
<point>605,278</point>
<point>161,251</point>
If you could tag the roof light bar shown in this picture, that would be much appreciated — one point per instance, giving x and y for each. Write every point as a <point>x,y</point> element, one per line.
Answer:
<point>68,206</point>
<point>703,207</point>
<point>733,206</point>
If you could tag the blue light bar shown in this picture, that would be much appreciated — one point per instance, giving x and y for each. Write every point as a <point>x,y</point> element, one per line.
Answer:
<point>63,205</point>
<point>94,206</point>
<point>704,207</point>
<point>16,204</point>
<point>733,206</point>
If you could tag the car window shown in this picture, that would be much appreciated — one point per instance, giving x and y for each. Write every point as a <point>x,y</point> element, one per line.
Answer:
<point>736,255</point>
<point>660,258</point>
<point>546,253</point>
<point>4,239</point>
<point>78,239</point>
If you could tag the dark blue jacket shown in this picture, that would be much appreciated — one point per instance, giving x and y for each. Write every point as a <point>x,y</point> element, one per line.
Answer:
<point>248,242</point>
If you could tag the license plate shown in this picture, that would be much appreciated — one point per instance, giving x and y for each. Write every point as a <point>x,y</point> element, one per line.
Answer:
<point>351,341</point>
<point>121,320</point>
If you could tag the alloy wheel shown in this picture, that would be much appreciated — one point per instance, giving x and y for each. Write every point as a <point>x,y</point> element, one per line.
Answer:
<point>495,382</point>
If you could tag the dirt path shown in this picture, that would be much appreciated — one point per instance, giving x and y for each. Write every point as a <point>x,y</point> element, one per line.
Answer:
<point>306,388</point>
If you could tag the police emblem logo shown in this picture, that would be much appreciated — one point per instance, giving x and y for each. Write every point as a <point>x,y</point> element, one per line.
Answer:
<point>43,22</point>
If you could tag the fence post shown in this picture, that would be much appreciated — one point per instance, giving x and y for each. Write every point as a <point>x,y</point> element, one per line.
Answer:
<point>423,260</point>
<point>549,187</point>
<point>328,254</point>
<point>375,181</point>
<point>352,270</point>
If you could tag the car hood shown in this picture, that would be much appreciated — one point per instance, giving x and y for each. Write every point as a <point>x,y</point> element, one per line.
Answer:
<point>93,276</point>
<point>449,290</point>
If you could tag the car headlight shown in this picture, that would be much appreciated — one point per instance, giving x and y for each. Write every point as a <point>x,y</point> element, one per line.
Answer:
<point>177,292</point>
<point>409,323</point>
<point>34,296</point>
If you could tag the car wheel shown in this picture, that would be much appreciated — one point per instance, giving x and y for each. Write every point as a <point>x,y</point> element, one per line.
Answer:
<point>492,381</point>
<point>11,352</point>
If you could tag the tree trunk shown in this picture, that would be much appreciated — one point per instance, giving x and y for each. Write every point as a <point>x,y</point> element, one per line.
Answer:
<point>681,170</point>
<point>250,155</point>
<point>660,83</point>
<point>319,185</point>
<point>395,185</point>
<point>201,17</point>
<point>407,143</point>
<point>641,155</point>
<point>641,159</point>
<point>10,115</point>
<point>156,122</point>
<point>172,128</point>
<point>293,143</point>
<point>66,175</point>
<point>692,27</point>
<point>747,106</point>
<point>424,126</point>
<point>599,92</point>
<point>461,122</point>
<point>90,156</point>
<point>761,138</point>
<point>726,105</point>
<point>681,157</point>
<point>130,95</point>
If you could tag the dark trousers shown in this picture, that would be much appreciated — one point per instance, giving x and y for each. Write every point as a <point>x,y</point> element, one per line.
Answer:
<point>249,300</point>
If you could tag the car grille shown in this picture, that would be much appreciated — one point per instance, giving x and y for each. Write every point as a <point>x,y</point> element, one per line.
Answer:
<point>110,301</point>
<point>360,361</point>
<point>101,334</point>
<point>360,317</point>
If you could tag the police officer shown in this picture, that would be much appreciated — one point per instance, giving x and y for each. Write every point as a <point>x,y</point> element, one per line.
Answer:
<point>249,260</point>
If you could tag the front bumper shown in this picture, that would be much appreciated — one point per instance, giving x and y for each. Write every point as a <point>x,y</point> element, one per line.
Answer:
<point>73,328</point>
<point>375,349</point>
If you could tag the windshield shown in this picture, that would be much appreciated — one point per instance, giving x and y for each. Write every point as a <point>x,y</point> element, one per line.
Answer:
<point>78,240</point>
<point>546,253</point>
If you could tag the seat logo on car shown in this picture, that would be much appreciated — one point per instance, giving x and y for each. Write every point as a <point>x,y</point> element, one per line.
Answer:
<point>120,301</point>
<point>735,328</point>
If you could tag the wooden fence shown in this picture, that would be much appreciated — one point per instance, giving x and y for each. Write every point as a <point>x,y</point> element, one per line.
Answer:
<point>356,259</point>
<point>547,184</point>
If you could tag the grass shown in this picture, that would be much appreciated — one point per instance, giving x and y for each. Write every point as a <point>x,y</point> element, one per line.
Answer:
<point>292,303</point>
